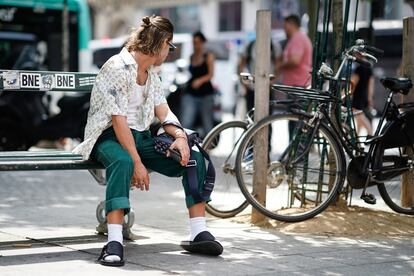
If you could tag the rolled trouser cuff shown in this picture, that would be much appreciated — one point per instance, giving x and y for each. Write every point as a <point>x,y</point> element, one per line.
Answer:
<point>190,201</point>
<point>117,203</point>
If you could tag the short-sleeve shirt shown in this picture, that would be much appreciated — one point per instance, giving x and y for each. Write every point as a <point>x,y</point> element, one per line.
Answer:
<point>298,45</point>
<point>250,56</point>
<point>111,94</point>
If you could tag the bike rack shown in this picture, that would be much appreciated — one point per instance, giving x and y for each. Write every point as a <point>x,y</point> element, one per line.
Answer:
<point>323,53</point>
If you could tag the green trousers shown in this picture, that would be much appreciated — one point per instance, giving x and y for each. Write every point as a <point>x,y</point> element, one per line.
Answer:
<point>120,167</point>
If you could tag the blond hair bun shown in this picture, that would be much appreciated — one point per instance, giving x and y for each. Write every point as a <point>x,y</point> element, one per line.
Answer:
<point>147,21</point>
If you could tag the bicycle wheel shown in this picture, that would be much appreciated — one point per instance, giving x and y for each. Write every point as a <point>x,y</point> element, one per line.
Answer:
<point>390,186</point>
<point>221,144</point>
<point>305,167</point>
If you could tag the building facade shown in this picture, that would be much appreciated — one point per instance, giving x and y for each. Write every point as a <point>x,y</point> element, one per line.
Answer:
<point>216,18</point>
<point>219,18</point>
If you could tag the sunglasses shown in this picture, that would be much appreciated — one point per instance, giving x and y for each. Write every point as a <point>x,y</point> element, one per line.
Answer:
<point>172,46</point>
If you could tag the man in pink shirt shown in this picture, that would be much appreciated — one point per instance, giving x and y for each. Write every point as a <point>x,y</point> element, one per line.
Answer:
<point>296,66</point>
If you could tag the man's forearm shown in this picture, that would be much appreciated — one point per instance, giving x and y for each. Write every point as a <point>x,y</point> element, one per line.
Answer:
<point>175,131</point>
<point>124,136</point>
<point>165,115</point>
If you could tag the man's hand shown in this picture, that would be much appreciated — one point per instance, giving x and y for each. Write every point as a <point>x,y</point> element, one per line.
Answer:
<point>163,111</point>
<point>140,178</point>
<point>181,145</point>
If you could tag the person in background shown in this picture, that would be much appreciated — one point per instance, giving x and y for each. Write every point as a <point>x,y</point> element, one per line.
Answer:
<point>296,65</point>
<point>126,97</point>
<point>199,96</point>
<point>248,62</point>
<point>362,97</point>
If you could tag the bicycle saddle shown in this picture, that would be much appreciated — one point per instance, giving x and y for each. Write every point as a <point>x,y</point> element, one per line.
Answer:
<point>399,85</point>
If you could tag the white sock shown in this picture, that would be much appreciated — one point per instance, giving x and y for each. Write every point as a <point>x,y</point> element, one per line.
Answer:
<point>197,225</point>
<point>114,234</point>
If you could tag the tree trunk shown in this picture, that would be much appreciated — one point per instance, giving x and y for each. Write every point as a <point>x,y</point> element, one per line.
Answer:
<point>407,186</point>
<point>337,22</point>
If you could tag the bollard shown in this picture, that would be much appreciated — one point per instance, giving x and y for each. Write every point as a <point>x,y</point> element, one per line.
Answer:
<point>407,187</point>
<point>261,105</point>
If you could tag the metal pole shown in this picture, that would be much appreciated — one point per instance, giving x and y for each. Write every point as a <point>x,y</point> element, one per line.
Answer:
<point>345,26</point>
<point>261,105</point>
<point>316,49</point>
<point>326,21</point>
<point>407,187</point>
<point>65,36</point>
<point>313,19</point>
<point>337,24</point>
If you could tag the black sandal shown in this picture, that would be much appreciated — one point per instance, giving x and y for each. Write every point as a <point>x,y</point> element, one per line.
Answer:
<point>112,248</point>
<point>204,243</point>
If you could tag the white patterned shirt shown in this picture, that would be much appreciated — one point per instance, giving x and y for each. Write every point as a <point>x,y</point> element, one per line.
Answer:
<point>111,94</point>
<point>136,100</point>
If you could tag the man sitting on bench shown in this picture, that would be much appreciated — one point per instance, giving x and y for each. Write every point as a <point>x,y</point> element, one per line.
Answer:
<point>124,100</point>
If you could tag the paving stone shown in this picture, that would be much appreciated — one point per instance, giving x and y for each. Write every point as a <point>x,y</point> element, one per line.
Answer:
<point>55,213</point>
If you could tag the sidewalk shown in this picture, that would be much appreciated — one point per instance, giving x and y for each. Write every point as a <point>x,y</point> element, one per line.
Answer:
<point>57,218</point>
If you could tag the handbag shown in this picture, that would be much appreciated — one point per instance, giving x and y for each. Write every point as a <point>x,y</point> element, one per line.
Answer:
<point>162,144</point>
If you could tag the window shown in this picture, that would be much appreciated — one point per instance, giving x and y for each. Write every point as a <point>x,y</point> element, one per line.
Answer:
<point>230,16</point>
<point>281,9</point>
<point>220,49</point>
<point>185,18</point>
<point>387,9</point>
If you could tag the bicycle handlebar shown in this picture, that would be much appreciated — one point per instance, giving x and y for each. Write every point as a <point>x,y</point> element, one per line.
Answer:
<point>366,51</point>
<point>373,50</point>
<point>248,78</point>
<point>370,57</point>
<point>363,62</point>
<point>361,53</point>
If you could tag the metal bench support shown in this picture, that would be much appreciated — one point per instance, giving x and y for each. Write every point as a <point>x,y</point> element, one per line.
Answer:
<point>102,228</point>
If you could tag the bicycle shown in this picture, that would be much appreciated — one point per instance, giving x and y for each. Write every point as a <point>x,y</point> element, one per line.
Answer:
<point>311,162</point>
<point>222,143</point>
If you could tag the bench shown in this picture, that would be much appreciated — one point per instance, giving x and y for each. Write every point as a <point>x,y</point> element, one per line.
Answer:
<point>13,80</point>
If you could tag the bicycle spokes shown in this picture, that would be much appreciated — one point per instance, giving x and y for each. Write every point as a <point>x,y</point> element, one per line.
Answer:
<point>303,166</point>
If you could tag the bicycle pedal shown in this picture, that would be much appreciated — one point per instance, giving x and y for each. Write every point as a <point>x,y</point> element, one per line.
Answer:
<point>369,199</point>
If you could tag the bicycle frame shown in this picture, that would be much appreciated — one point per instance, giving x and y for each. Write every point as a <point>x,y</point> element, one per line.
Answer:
<point>285,154</point>
<point>249,119</point>
<point>322,113</point>
<point>351,147</point>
